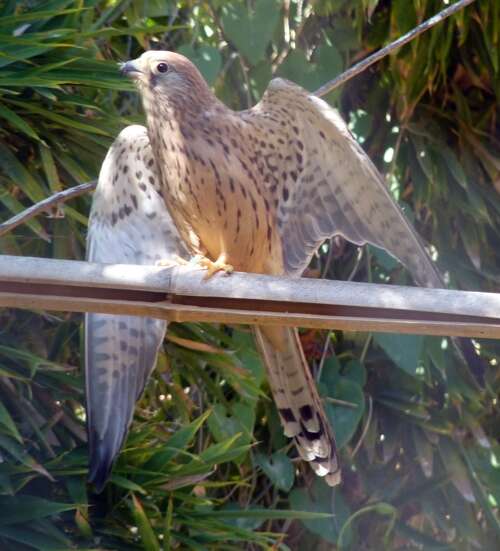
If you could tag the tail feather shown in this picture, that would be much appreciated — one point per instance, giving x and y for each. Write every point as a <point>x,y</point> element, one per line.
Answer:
<point>297,399</point>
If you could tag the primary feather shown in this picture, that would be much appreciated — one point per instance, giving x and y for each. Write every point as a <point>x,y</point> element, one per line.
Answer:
<point>129,224</point>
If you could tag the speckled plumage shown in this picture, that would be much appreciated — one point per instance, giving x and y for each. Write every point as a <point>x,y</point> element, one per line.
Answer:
<point>260,190</point>
<point>129,224</point>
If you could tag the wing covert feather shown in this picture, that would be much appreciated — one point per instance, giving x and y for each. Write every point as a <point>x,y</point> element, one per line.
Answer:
<point>331,187</point>
<point>129,223</point>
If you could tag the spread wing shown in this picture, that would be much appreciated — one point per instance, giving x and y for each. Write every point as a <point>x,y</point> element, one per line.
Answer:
<point>328,186</point>
<point>129,224</point>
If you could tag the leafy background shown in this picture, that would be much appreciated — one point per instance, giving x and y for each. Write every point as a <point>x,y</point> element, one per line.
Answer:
<point>206,465</point>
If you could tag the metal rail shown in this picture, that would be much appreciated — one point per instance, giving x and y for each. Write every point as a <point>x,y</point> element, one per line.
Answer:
<point>182,294</point>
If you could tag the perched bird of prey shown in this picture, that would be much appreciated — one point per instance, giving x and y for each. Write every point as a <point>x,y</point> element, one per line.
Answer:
<point>255,191</point>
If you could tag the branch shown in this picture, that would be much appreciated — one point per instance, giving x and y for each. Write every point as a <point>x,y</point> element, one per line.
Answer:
<point>46,204</point>
<point>371,59</point>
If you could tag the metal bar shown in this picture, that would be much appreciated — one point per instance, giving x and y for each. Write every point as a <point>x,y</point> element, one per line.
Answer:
<point>182,294</point>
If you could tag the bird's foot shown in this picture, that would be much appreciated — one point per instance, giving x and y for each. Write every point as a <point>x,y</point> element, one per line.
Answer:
<point>220,265</point>
<point>175,260</point>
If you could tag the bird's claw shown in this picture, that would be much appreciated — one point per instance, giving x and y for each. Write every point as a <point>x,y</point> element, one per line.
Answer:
<point>220,265</point>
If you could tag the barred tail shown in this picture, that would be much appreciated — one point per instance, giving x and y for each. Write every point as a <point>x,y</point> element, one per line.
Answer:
<point>297,399</point>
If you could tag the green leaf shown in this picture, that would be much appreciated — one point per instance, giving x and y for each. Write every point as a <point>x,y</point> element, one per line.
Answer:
<point>490,507</point>
<point>148,537</point>
<point>297,68</point>
<point>267,514</point>
<point>404,350</point>
<point>380,508</point>
<point>7,421</point>
<point>424,451</point>
<point>36,540</point>
<point>18,452</point>
<point>206,58</point>
<point>328,63</point>
<point>244,344</point>
<point>370,6</point>
<point>63,121</point>
<point>224,424</point>
<point>405,15</point>
<point>259,77</point>
<point>223,451</point>
<point>320,498</point>
<point>175,444</point>
<point>453,165</point>
<point>251,30</point>
<point>127,484</point>
<point>344,418</point>
<point>279,468</point>
<point>15,170</point>
<point>456,467</point>
<point>324,65</point>
<point>17,509</point>
<point>355,371</point>
<point>35,15</point>
<point>18,122</point>
<point>241,519</point>
<point>49,167</point>
<point>386,261</point>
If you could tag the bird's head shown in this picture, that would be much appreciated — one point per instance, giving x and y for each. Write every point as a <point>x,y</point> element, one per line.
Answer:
<point>167,74</point>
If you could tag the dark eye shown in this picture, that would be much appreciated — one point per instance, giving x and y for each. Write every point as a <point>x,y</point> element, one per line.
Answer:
<point>162,67</point>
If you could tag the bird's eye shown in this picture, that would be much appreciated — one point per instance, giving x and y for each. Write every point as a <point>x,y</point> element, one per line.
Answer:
<point>162,67</point>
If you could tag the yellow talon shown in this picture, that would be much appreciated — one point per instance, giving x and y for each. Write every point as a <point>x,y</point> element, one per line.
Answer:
<point>220,265</point>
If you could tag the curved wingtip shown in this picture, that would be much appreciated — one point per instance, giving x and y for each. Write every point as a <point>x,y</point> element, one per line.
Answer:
<point>99,478</point>
<point>99,472</point>
<point>101,460</point>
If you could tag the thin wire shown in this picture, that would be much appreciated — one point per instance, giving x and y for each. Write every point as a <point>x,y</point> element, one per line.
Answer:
<point>401,41</point>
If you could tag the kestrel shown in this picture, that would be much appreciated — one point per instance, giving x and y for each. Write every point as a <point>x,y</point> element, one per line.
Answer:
<point>256,190</point>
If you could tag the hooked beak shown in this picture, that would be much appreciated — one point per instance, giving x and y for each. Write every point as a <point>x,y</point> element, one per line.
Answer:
<point>130,69</point>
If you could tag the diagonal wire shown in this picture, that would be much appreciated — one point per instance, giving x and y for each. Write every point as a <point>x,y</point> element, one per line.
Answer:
<point>401,41</point>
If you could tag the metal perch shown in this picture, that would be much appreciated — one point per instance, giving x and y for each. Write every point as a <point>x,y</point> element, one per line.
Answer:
<point>182,294</point>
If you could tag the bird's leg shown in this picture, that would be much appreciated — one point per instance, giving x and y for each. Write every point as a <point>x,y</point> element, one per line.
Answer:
<point>220,265</point>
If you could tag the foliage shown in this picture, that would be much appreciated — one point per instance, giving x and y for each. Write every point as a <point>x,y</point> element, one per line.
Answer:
<point>206,465</point>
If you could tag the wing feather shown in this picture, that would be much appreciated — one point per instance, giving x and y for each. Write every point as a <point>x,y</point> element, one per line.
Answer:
<point>333,188</point>
<point>129,223</point>
<point>329,186</point>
